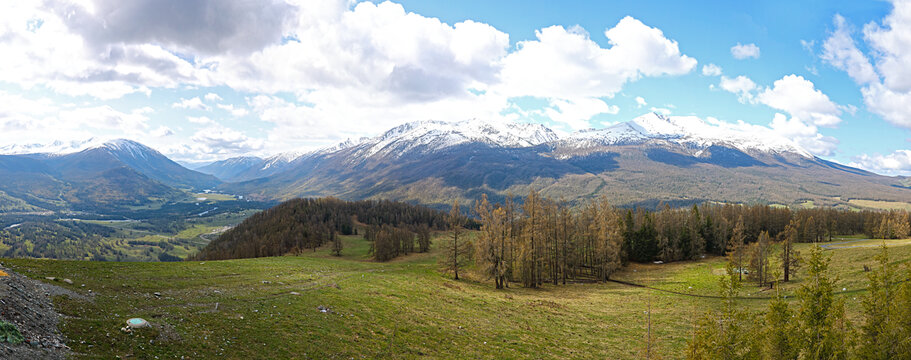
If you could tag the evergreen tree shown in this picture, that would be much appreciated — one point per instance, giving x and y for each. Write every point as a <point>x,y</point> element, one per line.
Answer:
<point>726,334</point>
<point>823,328</point>
<point>778,341</point>
<point>880,334</point>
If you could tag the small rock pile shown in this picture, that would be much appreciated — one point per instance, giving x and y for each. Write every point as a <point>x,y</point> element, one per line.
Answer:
<point>27,304</point>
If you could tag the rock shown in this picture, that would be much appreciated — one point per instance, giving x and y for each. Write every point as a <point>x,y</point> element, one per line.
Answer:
<point>68,281</point>
<point>157,294</point>
<point>295,293</point>
<point>51,278</point>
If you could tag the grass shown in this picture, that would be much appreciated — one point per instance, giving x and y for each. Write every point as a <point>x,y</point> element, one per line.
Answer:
<point>881,205</point>
<point>402,309</point>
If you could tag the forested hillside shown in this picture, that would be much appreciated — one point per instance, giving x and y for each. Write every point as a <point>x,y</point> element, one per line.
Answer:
<point>301,224</point>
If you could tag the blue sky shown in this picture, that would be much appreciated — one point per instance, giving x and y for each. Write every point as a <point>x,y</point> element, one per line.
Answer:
<point>227,78</point>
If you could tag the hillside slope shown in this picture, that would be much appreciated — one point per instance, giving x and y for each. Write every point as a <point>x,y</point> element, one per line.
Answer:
<point>648,160</point>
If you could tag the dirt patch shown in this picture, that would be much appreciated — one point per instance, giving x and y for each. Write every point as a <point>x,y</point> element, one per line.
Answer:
<point>27,304</point>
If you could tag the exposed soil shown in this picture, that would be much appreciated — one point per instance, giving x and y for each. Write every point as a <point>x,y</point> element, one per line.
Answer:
<point>28,304</point>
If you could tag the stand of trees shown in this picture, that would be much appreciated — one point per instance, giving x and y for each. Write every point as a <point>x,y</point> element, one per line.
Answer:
<point>543,240</point>
<point>815,326</point>
<point>305,224</point>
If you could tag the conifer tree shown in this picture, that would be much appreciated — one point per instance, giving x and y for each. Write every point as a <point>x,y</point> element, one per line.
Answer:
<point>778,337</point>
<point>880,336</point>
<point>823,328</point>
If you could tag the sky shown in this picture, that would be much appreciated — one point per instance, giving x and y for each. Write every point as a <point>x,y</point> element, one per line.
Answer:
<point>202,80</point>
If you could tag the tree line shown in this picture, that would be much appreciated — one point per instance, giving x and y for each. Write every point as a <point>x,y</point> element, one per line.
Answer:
<point>544,241</point>
<point>306,224</point>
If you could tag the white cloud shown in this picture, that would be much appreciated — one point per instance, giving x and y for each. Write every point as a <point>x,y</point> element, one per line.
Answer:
<point>236,111</point>
<point>799,97</point>
<point>162,131</point>
<point>896,163</point>
<point>640,101</point>
<point>711,70</point>
<point>208,27</point>
<point>741,51</point>
<point>202,120</point>
<point>221,140</point>
<point>577,113</point>
<point>886,87</point>
<point>566,63</point>
<point>891,43</point>
<point>805,135</point>
<point>192,103</point>
<point>213,97</point>
<point>662,111</point>
<point>741,85</point>
<point>840,51</point>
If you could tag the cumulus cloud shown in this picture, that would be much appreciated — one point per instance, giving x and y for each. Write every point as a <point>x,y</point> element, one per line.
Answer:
<point>741,51</point>
<point>315,72</point>
<point>662,111</point>
<point>805,135</point>
<point>883,74</point>
<point>234,110</point>
<point>576,114</point>
<point>896,163</point>
<point>711,70</point>
<point>640,101</point>
<point>567,63</point>
<point>221,140</point>
<point>192,103</point>
<point>740,85</point>
<point>162,131</point>
<point>840,51</point>
<point>799,97</point>
<point>202,120</point>
<point>206,26</point>
<point>213,97</point>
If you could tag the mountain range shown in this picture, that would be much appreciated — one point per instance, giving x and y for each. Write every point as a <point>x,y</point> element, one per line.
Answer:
<point>643,162</point>
<point>119,173</point>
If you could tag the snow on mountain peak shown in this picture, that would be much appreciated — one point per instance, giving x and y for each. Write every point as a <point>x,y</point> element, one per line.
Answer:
<point>433,135</point>
<point>688,130</point>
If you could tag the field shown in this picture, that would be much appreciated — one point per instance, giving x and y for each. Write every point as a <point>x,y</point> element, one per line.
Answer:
<point>271,307</point>
<point>880,205</point>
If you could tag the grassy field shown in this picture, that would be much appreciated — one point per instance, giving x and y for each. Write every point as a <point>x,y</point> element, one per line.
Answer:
<point>881,205</point>
<point>269,308</point>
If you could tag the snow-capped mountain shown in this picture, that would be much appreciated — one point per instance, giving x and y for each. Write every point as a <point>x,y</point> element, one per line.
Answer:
<point>422,137</point>
<point>688,131</point>
<point>54,148</point>
<point>135,156</point>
